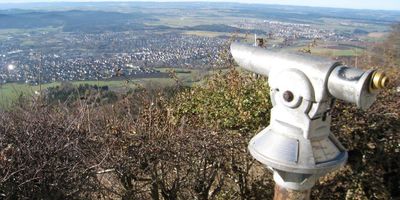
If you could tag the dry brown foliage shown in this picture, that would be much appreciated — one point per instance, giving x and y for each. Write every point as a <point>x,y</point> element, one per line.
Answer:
<point>183,144</point>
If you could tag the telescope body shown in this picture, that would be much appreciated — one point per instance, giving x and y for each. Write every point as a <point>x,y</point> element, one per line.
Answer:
<point>298,145</point>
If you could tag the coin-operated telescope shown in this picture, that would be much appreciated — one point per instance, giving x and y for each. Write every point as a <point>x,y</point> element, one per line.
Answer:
<point>298,145</point>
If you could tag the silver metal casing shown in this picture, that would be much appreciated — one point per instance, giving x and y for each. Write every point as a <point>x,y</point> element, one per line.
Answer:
<point>298,144</point>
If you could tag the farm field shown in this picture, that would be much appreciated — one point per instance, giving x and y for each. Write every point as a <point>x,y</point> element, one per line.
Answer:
<point>337,52</point>
<point>10,92</point>
<point>332,50</point>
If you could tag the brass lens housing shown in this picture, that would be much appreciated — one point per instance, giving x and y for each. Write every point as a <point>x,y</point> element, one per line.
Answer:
<point>378,81</point>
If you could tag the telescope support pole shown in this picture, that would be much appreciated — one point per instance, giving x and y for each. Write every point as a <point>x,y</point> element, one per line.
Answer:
<point>282,193</point>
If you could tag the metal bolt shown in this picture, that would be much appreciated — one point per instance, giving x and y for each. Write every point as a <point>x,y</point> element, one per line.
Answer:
<point>288,96</point>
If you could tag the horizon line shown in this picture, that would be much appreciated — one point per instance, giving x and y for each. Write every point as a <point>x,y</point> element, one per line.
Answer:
<point>206,1</point>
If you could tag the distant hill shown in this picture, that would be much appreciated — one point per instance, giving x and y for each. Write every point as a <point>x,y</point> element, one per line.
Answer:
<point>73,20</point>
<point>295,13</point>
<point>123,16</point>
<point>94,21</point>
<point>220,28</point>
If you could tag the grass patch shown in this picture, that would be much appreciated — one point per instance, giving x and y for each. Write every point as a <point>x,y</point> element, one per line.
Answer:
<point>194,19</point>
<point>337,52</point>
<point>375,37</point>
<point>331,49</point>
<point>5,33</point>
<point>206,33</point>
<point>28,43</point>
<point>10,92</point>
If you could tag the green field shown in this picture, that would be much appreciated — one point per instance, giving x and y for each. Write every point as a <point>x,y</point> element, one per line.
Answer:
<point>198,17</point>
<point>337,52</point>
<point>10,92</point>
<point>208,33</point>
<point>6,33</point>
<point>331,49</point>
<point>375,37</point>
<point>28,42</point>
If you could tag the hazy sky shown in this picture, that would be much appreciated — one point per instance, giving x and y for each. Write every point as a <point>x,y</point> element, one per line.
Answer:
<point>359,4</point>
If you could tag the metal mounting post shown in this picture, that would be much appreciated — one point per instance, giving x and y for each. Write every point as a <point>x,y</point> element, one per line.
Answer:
<point>282,193</point>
